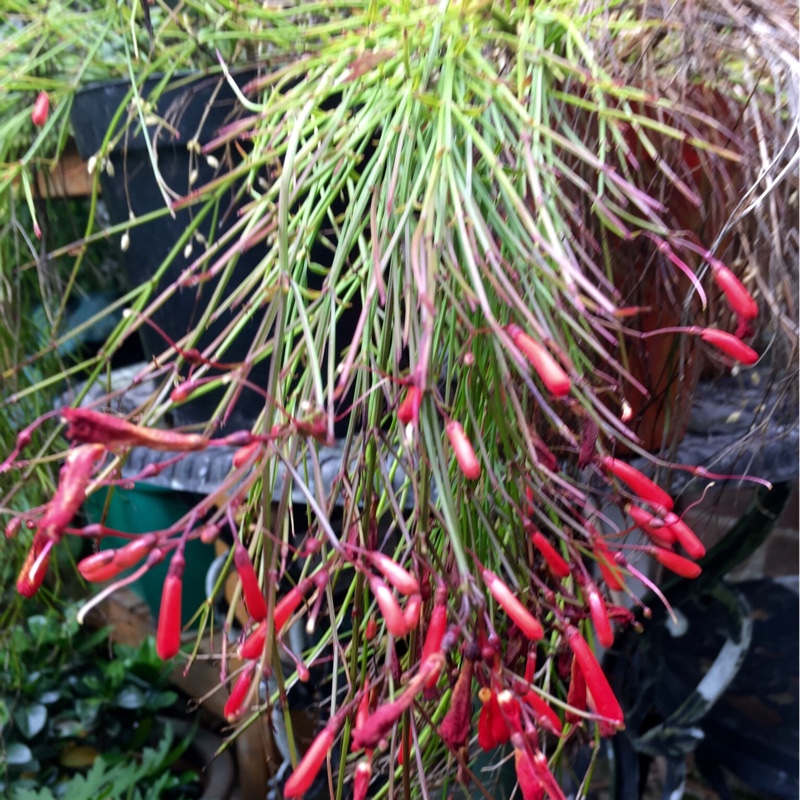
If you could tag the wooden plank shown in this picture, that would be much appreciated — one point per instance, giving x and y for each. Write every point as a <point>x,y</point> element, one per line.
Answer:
<point>68,178</point>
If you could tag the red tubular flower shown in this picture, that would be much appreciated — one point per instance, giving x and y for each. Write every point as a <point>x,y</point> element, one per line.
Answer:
<point>465,453</point>
<point>739,299</point>
<point>730,345</point>
<point>638,483</point>
<point>41,110</point>
<point>510,714</point>
<point>253,646</point>
<point>411,612</point>
<point>94,427</point>
<point>361,779</point>
<point>108,564</point>
<point>685,536</point>
<point>362,715</point>
<point>12,527</point>
<point>408,410</point>
<point>247,454</point>
<point>168,633</point>
<point>400,578</point>
<point>605,702</point>
<point>548,369</point>
<point>99,567</point>
<point>456,724</point>
<point>611,573</point>
<point>301,779</point>
<point>35,567</point>
<point>529,784</point>
<point>576,694</point>
<point>486,738</point>
<point>520,615</point>
<point>380,723</point>
<point>253,595</point>
<point>599,615</point>
<point>234,707</point>
<point>545,716</point>
<point>675,563</point>
<point>434,636</point>
<point>71,492</point>
<point>557,565</point>
<point>654,527</point>
<point>390,608</point>
<point>545,777</point>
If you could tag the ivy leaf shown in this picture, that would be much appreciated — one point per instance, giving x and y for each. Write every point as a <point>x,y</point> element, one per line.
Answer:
<point>30,719</point>
<point>18,754</point>
<point>130,697</point>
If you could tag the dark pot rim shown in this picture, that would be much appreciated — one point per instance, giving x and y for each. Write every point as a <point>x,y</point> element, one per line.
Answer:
<point>180,79</point>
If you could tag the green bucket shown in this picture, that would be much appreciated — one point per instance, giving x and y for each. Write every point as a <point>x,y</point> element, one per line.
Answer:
<point>143,509</point>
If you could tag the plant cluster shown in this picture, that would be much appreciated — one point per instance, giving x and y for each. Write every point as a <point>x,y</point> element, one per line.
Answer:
<point>541,235</point>
<point>84,717</point>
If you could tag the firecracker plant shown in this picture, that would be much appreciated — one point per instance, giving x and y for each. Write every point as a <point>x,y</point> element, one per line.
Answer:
<point>549,229</point>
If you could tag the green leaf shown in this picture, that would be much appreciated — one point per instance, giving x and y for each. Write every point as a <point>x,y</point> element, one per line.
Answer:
<point>160,700</point>
<point>30,719</point>
<point>32,794</point>
<point>18,754</point>
<point>130,697</point>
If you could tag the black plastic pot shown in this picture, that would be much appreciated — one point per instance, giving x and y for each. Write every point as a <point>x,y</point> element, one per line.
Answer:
<point>195,108</point>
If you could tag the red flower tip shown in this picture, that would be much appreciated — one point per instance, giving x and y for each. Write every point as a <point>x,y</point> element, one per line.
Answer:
<point>247,454</point>
<point>486,739</point>
<point>253,646</point>
<point>12,527</point>
<point>604,700</point>
<point>548,369</point>
<point>545,716</point>
<point>529,784</point>
<point>251,590</point>
<point>411,612</point>
<point>301,779</point>
<point>400,578</point>
<point>599,615</point>
<point>739,299</point>
<point>361,779</point>
<point>685,536</point>
<point>638,483</point>
<point>433,639</point>
<point>168,633</point>
<point>35,567</point>
<point>576,694</point>
<point>675,563</point>
<point>511,713</point>
<point>609,569</point>
<point>464,451</point>
<point>234,707</point>
<point>41,109</point>
<point>520,615</point>
<point>408,410</point>
<point>730,345</point>
<point>654,527</point>
<point>557,565</point>
<point>390,608</point>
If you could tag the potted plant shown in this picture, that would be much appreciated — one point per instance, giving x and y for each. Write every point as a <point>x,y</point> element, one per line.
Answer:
<point>77,719</point>
<point>510,197</point>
